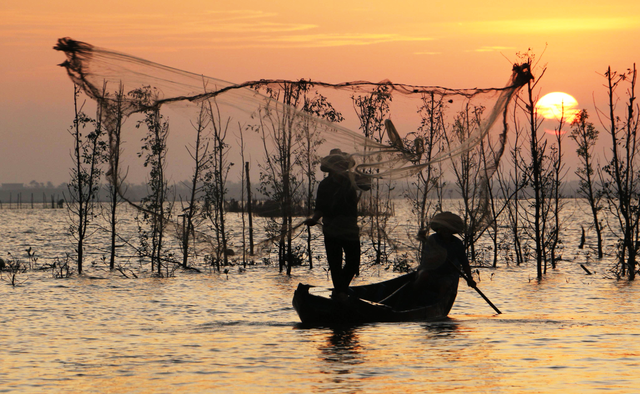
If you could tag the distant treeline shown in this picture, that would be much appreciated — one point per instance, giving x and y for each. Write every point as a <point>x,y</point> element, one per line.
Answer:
<point>47,196</point>
<point>15,195</point>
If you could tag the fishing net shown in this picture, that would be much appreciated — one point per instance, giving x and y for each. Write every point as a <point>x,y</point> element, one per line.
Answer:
<point>382,126</point>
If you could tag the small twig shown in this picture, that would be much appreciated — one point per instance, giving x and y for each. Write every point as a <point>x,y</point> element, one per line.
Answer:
<point>122,272</point>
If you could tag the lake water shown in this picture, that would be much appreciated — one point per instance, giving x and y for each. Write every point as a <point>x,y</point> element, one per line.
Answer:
<point>238,333</point>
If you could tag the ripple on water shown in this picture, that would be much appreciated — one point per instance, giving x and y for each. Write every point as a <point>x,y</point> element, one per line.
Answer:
<point>239,333</point>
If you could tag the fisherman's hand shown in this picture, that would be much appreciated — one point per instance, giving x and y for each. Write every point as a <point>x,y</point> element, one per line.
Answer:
<point>471,283</point>
<point>310,222</point>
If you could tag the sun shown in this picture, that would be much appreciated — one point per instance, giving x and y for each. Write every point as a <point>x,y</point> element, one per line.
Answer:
<point>558,105</point>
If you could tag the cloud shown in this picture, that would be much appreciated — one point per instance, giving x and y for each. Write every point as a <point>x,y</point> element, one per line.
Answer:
<point>492,49</point>
<point>213,29</point>
<point>551,25</point>
<point>427,53</point>
<point>332,40</point>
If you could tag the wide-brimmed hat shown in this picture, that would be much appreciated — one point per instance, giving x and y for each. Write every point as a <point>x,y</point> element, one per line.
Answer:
<point>336,161</point>
<point>448,220</point>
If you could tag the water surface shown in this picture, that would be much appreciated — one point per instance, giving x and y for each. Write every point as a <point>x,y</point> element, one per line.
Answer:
<point>237,332</point>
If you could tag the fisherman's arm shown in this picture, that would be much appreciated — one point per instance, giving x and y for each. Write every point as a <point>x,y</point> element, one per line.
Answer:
<point>467,271</point>
<point>312,221</point>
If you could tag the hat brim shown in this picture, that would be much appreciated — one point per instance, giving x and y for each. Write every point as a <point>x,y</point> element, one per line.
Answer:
<point>336,162</point>
<point>449,221</point>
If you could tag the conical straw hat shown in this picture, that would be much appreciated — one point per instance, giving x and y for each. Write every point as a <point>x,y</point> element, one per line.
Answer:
<point>337,160</point>
<point>447,220</point>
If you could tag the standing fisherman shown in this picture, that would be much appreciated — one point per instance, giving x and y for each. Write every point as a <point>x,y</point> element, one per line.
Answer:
<point>337,204</point>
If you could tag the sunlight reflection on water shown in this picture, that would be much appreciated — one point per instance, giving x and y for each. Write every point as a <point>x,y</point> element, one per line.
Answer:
<point>238,333</point>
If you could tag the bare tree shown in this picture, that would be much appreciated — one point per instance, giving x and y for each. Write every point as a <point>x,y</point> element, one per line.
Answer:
<point>427,186</point>
<point>201,163</point>
<point>586,135</point>
<point>155,208</point>
<point>215,183</point>
<point>491,205</point>
<point>468,169</point>
<point>113,115</point>
<point>555,241</point>
<point>619,177</point>
<point>540,174</point>
<point>280,177</point>
<point>83,187</point>
<point>511,184</point>
<point>372,110</point>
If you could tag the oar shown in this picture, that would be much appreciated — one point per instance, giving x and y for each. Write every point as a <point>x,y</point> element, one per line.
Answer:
<point>475,288</point>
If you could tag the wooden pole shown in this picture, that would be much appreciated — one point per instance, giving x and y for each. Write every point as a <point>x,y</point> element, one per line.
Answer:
<point>243,209</point>
<point>246,167</point>
<point>495,308</point>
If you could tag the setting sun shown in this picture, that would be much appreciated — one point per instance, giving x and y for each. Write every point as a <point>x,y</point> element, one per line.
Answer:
<point>558,105</point>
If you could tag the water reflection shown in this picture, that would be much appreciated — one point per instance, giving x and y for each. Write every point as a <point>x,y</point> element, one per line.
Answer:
<point>342,347</point>
<point>447,328</point>
<point>340,355</point>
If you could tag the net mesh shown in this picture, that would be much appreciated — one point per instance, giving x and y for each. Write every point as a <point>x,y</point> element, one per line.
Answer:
<point>380,125</point>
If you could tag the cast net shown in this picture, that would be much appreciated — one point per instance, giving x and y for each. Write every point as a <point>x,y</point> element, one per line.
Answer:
<point>299,121</point>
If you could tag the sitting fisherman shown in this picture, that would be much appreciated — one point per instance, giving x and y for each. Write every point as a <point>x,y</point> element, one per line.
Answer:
<point>442,257</point>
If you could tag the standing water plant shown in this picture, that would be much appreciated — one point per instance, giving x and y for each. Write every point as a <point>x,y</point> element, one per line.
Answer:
<point>425,190</point>
<point>155,210</point>
<point>586,135</point>
<point>557,177</point>
<point>468,169</point>
<point>113,115</point>
<point>201,163</point>
<point>619,177</point>
<point>372,110</point>
<point>511,184</point>
<point>87,154</point>
<point>279,177</point>
<point>539,173</point>
<point>215,183</point>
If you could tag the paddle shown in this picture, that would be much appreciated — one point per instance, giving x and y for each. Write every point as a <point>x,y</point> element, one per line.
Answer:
<point>475,288</point>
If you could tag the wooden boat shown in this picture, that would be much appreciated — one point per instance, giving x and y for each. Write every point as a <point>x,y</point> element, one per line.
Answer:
<point>393,300</point>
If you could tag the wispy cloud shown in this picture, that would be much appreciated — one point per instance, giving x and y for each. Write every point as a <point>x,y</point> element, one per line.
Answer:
<point>427,53</point>
<point>332,40</point>
<point>492,49</point>
<point>224,29</point>
<point>237,22</point>
<point>552,25</point>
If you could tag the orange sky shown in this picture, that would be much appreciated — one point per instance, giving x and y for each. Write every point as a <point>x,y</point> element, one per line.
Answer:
<point>457,44</point>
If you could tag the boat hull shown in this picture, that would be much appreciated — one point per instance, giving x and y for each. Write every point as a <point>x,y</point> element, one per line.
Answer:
<point>372,303</point>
